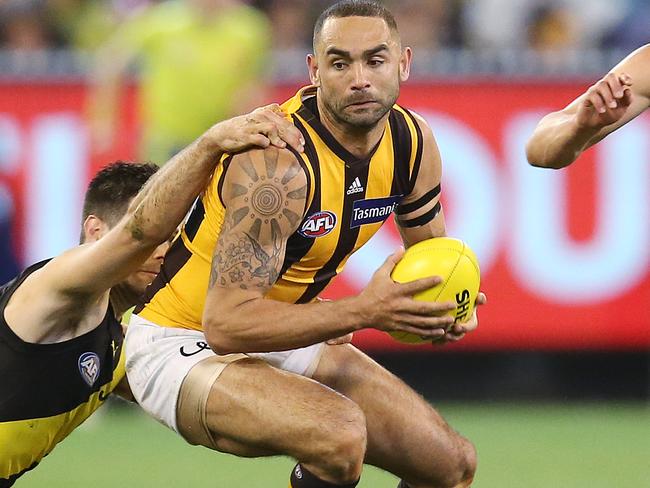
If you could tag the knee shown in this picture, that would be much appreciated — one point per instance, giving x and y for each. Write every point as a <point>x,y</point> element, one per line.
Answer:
<point>469,462</point>
<point>342,452</point>
<point>461,467</point>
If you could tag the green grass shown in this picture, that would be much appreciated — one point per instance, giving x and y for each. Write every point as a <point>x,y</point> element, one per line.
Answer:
<point>546,446</point>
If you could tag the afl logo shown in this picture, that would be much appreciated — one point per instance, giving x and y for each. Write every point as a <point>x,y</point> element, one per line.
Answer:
<point>318,224</point>
<point>89,367</point>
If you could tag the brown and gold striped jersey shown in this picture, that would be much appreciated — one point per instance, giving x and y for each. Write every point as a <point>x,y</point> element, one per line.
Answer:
<point>348,200</point>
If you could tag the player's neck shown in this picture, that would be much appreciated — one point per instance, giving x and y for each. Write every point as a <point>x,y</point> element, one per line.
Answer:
<point>122,298</point>
<point>358,141</point>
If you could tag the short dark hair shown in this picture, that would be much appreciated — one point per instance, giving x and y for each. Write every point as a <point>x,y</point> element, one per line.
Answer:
<point>354,8</point>
<point>112,189</point>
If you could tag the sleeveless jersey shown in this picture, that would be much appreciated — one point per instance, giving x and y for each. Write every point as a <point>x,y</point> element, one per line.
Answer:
<point>348,201</point>
<point>47,390</point>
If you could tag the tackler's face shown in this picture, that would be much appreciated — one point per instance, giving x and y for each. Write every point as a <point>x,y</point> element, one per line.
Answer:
<point>358,66</point>
<point>138,281</point>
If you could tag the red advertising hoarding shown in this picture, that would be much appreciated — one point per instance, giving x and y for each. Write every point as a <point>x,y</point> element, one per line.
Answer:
<point>564,255</point>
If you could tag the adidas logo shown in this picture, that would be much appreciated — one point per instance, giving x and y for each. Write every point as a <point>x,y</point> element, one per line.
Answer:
<point>355,187</point>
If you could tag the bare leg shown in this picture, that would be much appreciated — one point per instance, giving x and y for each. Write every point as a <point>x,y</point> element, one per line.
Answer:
<point>254,409</point>
<point>406,436</point>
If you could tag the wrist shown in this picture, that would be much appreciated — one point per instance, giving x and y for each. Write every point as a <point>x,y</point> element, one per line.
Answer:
<point>357,313</point>
<point>211,141</point>
<point>581,131</point>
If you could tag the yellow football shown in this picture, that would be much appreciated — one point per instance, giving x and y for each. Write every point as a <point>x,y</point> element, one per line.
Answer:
<point>455,263</point>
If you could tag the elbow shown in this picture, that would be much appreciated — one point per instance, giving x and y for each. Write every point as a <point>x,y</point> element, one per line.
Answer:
<point>540,155</point>
<point>219,337</point>
<point>229,329</point>
<point>222,349</point>
<point>538,163</point>
<point>532,156</point>
<point>535,157</point>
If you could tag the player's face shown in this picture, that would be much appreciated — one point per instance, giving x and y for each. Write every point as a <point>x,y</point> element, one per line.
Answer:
<point>358,67</point>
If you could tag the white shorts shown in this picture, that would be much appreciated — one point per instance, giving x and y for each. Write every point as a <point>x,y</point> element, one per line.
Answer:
<point>159,358</point>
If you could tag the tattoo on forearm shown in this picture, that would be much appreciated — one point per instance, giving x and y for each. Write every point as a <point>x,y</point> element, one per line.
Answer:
<point>135,224</point>
<point>250,248</point>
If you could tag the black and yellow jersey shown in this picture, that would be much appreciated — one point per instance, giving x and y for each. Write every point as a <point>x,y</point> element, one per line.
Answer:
<point>47,390</point>
<point>348,201</point>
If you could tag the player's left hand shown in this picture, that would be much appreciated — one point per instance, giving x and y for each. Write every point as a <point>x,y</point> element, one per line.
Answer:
<point>263,127</point>
<point>457,331</point>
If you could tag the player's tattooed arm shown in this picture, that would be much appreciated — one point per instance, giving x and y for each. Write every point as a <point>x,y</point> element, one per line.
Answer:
<point>265,201</point>
<point>420,215</point>
<point>265,194</point>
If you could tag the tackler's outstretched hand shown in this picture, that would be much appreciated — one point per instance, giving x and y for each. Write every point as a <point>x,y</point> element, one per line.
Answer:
<point>605,102</point>
<point>390,306</point>
<point>263,127</point>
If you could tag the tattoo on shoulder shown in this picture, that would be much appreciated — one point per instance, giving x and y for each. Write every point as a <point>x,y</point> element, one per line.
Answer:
<point>250,248</point>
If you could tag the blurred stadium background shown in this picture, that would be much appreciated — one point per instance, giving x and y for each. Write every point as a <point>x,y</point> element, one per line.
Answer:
<point>554,388</point>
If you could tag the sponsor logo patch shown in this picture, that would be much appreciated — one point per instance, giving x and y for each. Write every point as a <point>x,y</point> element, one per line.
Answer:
<point>318,224</point>
<point>355,187</point>
<point>89,367</point>
<point>373,210</point>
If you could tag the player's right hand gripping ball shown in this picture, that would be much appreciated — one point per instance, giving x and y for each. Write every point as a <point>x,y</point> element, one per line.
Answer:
<point>455,263</point>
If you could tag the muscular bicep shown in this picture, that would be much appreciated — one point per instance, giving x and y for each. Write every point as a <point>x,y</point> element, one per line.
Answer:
<point>420,215</point>
<point>264,192</point>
